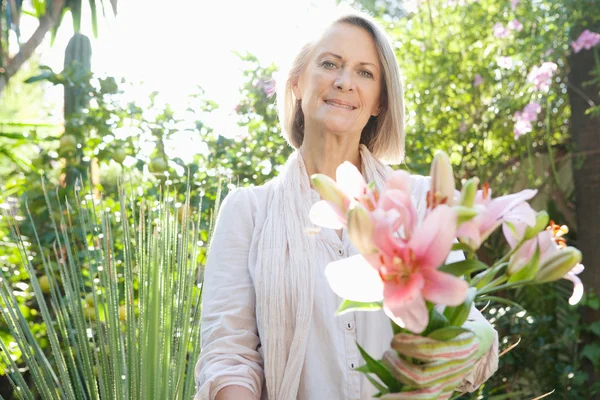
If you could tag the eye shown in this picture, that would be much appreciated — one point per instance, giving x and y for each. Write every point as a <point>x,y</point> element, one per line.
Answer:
<point>328,65</point>
<point>366,74</point>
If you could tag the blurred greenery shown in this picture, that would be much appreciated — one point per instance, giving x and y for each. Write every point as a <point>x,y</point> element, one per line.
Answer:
<point>443,47</point>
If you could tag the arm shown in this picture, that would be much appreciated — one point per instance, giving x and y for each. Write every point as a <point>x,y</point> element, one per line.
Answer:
<point>229,366</point>
<point>235,392</point>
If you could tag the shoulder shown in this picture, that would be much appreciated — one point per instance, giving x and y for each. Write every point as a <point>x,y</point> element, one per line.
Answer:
<point>246,202</point>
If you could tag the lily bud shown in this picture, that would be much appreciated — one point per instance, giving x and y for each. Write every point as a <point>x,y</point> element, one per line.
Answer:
<point>330,191</point>
<point>558,265</point>
<point>541,221</point>
<point>442,180</point>
<point>360,230</point>
<point>468,192</point>
<point>464,214</point>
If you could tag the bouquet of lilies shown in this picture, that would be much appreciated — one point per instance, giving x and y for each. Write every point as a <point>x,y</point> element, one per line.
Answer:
<point>402,268</point>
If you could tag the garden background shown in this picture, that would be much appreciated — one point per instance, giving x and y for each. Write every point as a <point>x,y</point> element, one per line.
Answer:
<point>177,100</point>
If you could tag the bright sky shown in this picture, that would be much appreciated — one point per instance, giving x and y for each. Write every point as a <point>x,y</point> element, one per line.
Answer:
<point>175,45</point>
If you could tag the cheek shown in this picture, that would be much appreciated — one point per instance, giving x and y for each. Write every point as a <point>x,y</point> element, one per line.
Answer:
<point>320,82</point>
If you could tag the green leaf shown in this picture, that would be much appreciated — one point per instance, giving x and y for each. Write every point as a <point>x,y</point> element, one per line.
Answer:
<point>382,389</point>
<point>461,246</point>
<point>595,328</point>
<point>364,369</point>
<point>447,333</point>
<point>44,76</point>
<point>458,315</point>
<point>437,320</point>
<point>349,306</point>
<point>381,371</point>
<point>464,267</point>
<point>592,353</point>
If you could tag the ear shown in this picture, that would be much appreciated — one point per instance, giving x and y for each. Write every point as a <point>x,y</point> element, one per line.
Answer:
<point>296,89</point>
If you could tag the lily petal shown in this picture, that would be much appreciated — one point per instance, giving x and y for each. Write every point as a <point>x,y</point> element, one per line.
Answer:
<point>409,312</point>
<point>353,278</point>
<point>443,288</point>
<point>350,180</point>
<point>577,287</point>
<point>327,215</point>
<point>386,223</point>
<point>522,214</point>
<point>500,207</point>
<point>468,233</point>
<point>399,180</point>
<point>432,240</point>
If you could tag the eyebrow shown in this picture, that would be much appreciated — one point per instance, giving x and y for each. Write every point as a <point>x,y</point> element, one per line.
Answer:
<point>341,58</point>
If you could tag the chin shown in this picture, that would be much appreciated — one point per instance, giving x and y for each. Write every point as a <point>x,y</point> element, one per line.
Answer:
<point>339,127</point>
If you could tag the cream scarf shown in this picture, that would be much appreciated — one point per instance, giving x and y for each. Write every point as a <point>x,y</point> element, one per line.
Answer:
<point>285,273</point>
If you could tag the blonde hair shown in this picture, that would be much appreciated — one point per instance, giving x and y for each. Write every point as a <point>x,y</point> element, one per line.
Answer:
<point>384,134</point>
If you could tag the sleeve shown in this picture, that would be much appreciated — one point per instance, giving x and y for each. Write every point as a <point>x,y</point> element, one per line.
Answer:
<point>487,365</point>
<point>229,336</point>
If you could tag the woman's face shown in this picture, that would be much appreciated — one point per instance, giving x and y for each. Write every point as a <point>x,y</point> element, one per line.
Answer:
<point>340,87</point>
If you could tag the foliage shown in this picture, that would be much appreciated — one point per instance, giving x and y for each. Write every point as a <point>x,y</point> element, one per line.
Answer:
<point>441,46</point>
<point>49,14</point>
<point>120,294</point>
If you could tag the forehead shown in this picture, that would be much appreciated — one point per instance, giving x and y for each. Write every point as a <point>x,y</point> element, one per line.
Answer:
<point>351,42</point>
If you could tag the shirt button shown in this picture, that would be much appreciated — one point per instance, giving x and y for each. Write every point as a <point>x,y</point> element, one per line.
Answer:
<point>341,252</point>
<point>349,325</point>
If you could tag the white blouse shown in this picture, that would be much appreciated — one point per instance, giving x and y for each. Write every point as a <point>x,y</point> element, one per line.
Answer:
<point>231,353</point>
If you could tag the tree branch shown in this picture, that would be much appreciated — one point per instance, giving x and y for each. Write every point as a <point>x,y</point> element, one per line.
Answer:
<point>47,21</point>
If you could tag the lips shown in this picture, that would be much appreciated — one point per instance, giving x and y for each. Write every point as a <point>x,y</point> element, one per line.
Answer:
<point>340,104</point>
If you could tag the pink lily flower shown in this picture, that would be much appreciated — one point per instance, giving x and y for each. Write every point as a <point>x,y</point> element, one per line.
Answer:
<point>405,273</point>
<point>555,256</point>
<point>492,212</point>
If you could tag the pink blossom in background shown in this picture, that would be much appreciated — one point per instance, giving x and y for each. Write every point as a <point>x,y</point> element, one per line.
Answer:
<point>478,80</point>
<point>522,127</point>
<point>269,87</point>
<point>504,62</point>
<point>515,25</point>
<point>523,119</point>
<point>586,40</point>
<point>541,76</point>
<point>500,31</point>
<point>531,111</point>
<point>514,4</point>
<point>463,127</point>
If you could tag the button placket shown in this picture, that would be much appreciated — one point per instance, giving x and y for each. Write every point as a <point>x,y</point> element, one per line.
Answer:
<point>352,356</point>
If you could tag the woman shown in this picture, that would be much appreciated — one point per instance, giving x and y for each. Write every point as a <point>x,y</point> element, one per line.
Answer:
<point>268,325</point>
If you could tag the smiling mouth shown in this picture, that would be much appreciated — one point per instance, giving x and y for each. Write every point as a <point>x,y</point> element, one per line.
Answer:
<point>338,105</point>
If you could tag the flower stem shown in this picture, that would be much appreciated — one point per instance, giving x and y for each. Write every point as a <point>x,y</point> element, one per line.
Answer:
<point>501,287</point>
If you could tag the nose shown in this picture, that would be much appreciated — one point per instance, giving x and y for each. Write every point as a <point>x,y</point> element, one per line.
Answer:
<point>343,80</point>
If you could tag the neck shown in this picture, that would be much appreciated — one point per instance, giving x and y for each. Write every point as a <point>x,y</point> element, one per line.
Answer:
<point>323,153</point>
